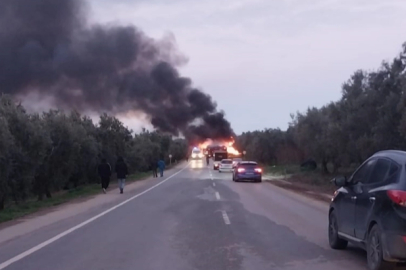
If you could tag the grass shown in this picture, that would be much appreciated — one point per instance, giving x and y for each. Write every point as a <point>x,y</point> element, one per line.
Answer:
<point>14,211</point>
<point>310,180</point>
<point>282,169</point>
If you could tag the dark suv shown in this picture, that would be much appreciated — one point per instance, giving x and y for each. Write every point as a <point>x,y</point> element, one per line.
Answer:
<point>369,210</point>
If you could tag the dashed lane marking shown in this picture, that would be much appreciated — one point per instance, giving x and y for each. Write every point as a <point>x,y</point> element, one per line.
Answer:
<point>225,217</point>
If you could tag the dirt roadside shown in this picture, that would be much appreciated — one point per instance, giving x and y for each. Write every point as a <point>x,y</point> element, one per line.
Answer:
<point>321,193</point>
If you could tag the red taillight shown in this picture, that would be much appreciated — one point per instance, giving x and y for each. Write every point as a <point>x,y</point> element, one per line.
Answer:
<point>241,170</point>
<point>258,170</point>
<point>397,196</point>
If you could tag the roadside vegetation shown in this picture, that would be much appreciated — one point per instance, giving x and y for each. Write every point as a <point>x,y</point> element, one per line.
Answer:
<point>369,117</point>
<point>33,205</point>
<point>45,155</point>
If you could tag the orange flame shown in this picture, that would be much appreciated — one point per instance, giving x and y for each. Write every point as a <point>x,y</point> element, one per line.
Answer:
<point>229,145</point>
<point>204,145</point>
<point>232,150</point>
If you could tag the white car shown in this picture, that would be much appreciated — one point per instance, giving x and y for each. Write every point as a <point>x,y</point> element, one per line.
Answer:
<point>196,154</point>
<point>226,165</point>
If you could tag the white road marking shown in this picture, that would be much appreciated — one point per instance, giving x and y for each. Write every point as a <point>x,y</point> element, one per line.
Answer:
<point>225,217</point>
<point>59,236</point>
<point>217,197</point>
<point>214,184</point>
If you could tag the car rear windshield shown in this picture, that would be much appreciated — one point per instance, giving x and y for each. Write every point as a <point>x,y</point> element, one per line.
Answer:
<point>248,165</point>
<point>228,161</point>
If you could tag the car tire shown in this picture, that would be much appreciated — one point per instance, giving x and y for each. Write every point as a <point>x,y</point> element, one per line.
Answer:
<point>333,238</point>
<point>375,259</point>
<point>260,180</point>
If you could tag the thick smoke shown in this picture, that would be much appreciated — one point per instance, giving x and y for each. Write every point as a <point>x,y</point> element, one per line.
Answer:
<point>48,48</point>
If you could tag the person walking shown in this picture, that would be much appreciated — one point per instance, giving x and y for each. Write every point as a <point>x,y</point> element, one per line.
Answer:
<point>104,170</point>
<point>154,168</point>
<point>121,171</point>
<point>161,166</point>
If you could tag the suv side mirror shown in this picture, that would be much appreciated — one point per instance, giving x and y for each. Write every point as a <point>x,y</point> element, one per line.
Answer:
<point>340,181</point>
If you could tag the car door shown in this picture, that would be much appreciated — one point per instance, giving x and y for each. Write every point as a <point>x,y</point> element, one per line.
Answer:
<point>366,197</point>
<point>346,219</point>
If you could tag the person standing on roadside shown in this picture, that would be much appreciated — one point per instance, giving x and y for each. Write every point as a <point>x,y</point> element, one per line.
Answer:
<point>121,171</point>
<point>104,170</point>
<point>161,166</point>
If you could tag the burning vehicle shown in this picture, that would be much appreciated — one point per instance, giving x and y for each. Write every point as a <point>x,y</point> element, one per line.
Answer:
<point>219,150</point>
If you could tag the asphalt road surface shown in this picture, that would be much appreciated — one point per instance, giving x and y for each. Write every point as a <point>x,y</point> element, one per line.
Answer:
<point>193,218</point>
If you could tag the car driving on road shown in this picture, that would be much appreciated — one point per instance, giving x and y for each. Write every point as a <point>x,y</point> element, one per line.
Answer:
<point>196,153</point>
<point>247,170</point>
<point>369,210</point>
<point>226,165</point>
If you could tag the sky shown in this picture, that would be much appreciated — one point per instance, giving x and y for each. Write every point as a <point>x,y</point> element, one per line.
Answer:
<point>262,60</point>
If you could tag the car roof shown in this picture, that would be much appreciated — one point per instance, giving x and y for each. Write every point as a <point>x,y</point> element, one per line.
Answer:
<point>226,159</point>
<point>396,155</point>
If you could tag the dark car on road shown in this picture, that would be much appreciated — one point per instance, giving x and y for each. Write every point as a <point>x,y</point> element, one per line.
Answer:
<point>247,170</point>
<point>369,210</point>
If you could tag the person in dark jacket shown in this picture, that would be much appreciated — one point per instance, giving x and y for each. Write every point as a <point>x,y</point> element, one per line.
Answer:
<point>154,168</point>
<point>104,170</point>
<point>121,171</point>
<point>161,166</point>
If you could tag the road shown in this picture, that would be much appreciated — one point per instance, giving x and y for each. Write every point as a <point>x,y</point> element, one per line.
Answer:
<point>193,218</point>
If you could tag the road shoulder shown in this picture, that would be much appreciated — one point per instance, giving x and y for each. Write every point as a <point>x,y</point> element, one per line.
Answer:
<point>300,188</point>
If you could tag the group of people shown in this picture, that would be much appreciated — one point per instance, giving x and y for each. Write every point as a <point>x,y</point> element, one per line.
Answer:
<point>157,165</point>
<point>105,173</point>
<point>121,170</point>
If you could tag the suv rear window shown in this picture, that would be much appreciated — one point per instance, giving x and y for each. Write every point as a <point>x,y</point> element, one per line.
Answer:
<point>248,164</point>
<point>227,161</point>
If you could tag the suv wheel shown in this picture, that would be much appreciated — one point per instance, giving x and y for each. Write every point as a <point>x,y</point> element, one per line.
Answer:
<point>333,238</point>
<point>260,180</point>
<point>375,253</point>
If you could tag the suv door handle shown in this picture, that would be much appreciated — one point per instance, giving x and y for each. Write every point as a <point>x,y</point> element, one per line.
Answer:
<point>371,199</point>
<point>353,198</point>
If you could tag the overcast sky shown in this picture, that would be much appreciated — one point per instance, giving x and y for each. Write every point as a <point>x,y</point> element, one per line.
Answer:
<point>264,59</point>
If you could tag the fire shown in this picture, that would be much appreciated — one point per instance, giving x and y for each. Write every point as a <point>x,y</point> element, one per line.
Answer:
<point>232,150</point>
<point>228,144</point>
<point>205,144</point>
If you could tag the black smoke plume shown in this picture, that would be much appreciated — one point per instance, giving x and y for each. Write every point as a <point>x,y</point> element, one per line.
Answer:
<point>48,48</point>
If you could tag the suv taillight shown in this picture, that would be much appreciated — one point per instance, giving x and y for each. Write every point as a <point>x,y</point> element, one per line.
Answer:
<point>397,196</point>
<point>240,169</point>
